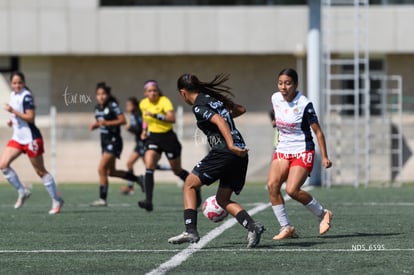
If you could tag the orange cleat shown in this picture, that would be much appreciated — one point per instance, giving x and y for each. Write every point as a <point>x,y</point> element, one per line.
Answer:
<point>286,231</point>
<point>325,222</point>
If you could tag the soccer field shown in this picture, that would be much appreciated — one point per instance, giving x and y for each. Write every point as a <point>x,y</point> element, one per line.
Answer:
<point>372,233</point>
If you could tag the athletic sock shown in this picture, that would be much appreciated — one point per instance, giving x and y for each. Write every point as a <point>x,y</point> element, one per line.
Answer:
<point>245,220</point>
<point>14,180</point>
<point>131,182</point>
<point>281,215</point>
<point>163,167</point>
<point>149,184</point>
<point>130,177</point>
<point>103,191</point>
<point>50,185</point>
<point>190,220</point>
<point>183,174</point>
<point>315,208</point>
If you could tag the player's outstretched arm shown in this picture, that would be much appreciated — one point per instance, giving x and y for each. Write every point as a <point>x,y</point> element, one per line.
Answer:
<point>322,144</point>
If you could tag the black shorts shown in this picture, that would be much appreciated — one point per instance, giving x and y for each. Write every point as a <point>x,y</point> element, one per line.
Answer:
<point>224,166</point>
<point>140,148</point>
<point>112,146</point>
<point>164,143</point>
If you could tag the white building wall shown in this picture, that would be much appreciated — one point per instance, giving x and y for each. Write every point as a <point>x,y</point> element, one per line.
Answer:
<point>81,27</point>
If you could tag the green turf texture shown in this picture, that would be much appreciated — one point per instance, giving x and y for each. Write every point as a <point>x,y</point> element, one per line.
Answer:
<point>362,217</point>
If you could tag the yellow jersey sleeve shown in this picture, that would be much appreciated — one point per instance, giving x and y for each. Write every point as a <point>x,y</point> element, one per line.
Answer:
<point>162,106</point>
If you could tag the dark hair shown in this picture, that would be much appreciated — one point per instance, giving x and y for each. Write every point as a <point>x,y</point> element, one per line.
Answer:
<point>213,88</point>
<point>107,89</point>
<point>22,77</point>
<point>153,82</point>
<point>134,101</point>
<point>291,73</point>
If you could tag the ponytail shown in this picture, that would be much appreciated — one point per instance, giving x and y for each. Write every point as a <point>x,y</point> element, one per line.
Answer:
<point>214,88</point>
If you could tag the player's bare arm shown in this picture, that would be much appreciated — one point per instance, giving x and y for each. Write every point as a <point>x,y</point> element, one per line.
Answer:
<point>28,115</point>
<point>116,122</point>
<point>168,117</point>
<point>225,131</point>
<point>322,145</point>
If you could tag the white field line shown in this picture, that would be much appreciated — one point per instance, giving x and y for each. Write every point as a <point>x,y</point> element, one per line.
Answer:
<point>214,250</point>
<point>181,257</point>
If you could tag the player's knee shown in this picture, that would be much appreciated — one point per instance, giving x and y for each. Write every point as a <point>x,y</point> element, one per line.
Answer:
<point>292,192</point>
<point>102,171</point>
<point>273,186</point>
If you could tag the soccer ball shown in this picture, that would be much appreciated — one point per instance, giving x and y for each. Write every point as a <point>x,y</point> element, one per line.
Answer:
<point>213,211</point>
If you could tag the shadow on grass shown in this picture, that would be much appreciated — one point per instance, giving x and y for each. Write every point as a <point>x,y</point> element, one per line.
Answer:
<point>360,235</point>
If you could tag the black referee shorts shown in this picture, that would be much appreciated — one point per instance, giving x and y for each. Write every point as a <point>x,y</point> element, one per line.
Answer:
<point>224,166</point>
<point>164,143</point>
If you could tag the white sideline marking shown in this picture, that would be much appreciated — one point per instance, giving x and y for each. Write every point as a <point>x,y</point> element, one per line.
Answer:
<point>214,250</point>
<point>181,257</point>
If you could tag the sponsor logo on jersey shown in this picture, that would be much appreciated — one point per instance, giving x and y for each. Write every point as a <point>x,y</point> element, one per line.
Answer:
<point>206,115</point>
<point>215,104</point>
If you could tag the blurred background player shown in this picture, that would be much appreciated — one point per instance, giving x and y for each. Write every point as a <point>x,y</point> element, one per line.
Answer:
<point>227,160</point>
<point>26,139</point>
<point>159,115</point>
<point>138,128</point>
<point>294,155</point>
<point>109,119</point>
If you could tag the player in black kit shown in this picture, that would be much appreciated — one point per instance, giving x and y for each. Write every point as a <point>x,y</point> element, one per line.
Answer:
<point>109,118</point>
<point>227,160</point>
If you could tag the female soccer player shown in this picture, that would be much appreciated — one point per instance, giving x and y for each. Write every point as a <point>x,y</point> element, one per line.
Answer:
<point>109,118</point>
<point>159,115</point>
<point>26,139</point>
<point>294,155</point>
<point>138,128</point>
<point>227,160</point>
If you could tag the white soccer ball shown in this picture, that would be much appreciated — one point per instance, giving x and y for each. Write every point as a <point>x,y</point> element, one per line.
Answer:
<point>213,211</point>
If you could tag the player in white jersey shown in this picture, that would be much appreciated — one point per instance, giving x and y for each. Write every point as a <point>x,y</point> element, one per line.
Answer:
<point>26,139</point>
<point>294,155</point>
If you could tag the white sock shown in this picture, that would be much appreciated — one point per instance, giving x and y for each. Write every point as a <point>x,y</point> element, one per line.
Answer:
<point>14,180</point>
<point>315,208</point>
<point>281,215</point>
<point>50,186</point>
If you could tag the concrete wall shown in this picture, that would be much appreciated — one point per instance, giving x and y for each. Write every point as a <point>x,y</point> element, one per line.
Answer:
<point>81,27</point>
<point>253,78</point>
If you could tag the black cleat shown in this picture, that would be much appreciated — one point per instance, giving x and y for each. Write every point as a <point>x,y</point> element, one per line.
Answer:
<point>146,205</point>
<point>253,237</point>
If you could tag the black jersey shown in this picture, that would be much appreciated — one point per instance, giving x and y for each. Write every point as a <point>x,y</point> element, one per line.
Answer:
<point>110,111</point>
<point>205,107</point>
<point>135,124</point>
